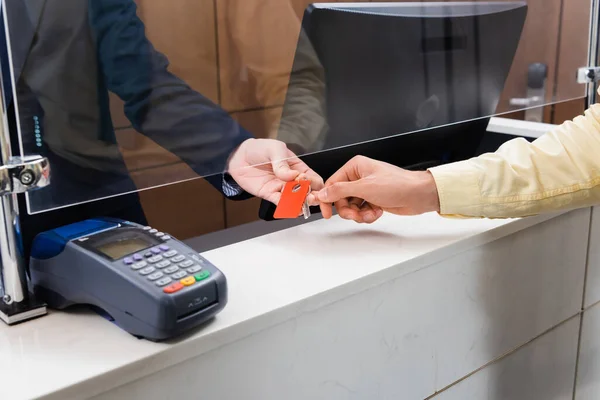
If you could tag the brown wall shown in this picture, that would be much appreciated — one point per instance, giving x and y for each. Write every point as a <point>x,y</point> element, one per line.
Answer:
<point>239,53</point>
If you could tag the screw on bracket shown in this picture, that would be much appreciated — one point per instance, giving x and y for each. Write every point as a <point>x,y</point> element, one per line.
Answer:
<point>26,177</point>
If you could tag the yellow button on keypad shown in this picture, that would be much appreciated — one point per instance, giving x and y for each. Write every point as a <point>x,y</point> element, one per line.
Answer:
<point>190,280</point>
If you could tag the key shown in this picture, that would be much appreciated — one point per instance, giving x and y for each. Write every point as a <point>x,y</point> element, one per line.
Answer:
<point>293,201</point>
<point>306,207</point>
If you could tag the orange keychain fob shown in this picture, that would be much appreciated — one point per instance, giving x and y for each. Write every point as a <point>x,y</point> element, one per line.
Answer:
<point>293,199</point>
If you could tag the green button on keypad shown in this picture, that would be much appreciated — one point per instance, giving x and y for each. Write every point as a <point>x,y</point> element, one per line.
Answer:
<point>202,275</point>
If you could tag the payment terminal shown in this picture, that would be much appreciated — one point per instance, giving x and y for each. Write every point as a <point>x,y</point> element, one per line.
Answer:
<point>148,283</point>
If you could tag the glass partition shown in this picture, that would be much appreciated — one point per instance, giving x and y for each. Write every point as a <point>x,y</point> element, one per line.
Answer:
<point>125,95</point>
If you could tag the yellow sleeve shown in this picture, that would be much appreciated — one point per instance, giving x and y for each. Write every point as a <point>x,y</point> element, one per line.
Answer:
<point>558,171</point>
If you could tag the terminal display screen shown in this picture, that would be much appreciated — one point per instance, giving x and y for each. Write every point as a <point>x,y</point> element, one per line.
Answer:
<point>114,244</point>
<point>126,246</point>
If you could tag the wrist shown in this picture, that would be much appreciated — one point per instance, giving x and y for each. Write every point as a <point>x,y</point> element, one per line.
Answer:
<point>428,192</point>
<point>232,160</point>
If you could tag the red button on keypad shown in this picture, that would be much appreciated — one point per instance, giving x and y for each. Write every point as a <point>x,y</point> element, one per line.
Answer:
<point>173,288</point>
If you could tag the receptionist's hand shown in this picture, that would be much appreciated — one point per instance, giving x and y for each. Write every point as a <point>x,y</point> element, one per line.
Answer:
<point>263,166</point>
<point>364,188</point>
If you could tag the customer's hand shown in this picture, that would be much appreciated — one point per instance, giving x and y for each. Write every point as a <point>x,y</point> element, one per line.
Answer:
<point>263,166</point>
<point>364,188</point>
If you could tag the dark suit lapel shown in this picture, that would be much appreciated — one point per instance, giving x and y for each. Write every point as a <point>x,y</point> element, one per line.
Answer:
<point>23,21</point>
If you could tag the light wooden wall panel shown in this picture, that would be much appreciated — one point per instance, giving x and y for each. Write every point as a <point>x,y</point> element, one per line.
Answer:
<point>185,31</point>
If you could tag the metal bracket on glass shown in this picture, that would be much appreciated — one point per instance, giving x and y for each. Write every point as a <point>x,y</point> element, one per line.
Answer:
<point>17,175</point>
<point>23,174</point>
<point>587,75</point>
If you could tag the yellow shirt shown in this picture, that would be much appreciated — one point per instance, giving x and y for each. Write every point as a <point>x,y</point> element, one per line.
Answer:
<point>558,171</point>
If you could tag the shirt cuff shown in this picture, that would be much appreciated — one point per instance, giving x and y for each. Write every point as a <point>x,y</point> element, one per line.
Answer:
<point>230,186</point>
<point>458,189</point>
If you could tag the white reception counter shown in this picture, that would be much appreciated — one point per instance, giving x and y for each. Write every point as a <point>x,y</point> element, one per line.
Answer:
<point>407,308</point>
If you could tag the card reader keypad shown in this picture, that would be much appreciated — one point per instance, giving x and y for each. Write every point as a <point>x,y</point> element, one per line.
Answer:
<point>166,268</point>
<point>179,275</point>
<point>155,276</point>
<point>139,265</point>
<point>164,281</point>
<point>178,258</point>
<point>194,269</point>
<point>147,270</point>
<point>171,269</point>
<point>155,259</point>
<point>163,264</point>
<point>170,253</point>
